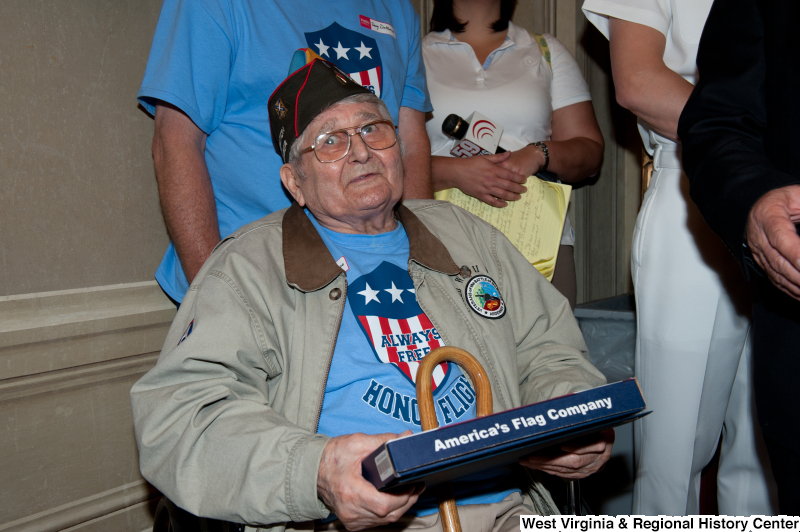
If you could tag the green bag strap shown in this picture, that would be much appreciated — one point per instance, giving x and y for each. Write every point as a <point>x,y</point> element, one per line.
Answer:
<point>542,42</point>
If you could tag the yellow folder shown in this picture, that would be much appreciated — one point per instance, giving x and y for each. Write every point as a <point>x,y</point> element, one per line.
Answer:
<point>533,223</point>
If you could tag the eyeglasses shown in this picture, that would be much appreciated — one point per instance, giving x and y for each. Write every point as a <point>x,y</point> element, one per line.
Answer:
<point>334,145</point>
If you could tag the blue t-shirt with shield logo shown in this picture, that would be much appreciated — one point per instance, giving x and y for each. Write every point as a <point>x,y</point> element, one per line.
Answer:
<point>382,339</point>
<point>219,61</point>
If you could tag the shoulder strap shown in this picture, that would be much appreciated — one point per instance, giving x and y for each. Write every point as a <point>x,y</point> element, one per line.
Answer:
<point>542,42</point>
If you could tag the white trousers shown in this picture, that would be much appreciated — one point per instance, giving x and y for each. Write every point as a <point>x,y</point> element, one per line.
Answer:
<point>692,359</point>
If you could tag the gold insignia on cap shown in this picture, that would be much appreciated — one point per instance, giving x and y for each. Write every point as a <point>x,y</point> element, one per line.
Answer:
<point>341,78</point>
<point>280,109</point>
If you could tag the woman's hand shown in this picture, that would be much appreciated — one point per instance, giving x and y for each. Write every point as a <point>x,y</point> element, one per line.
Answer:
<point>526,161</point>
<point>481,177</point>
<point>575,145</point>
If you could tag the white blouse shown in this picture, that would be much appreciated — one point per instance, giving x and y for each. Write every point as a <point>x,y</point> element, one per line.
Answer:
<point>515,87</point>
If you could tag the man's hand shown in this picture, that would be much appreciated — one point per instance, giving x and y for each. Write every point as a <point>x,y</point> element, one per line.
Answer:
<point>577,459</point>
<point>773,240</point>
<point>356,502</point>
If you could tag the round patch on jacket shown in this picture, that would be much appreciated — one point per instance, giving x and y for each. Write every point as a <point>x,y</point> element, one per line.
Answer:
<point>484,298</point>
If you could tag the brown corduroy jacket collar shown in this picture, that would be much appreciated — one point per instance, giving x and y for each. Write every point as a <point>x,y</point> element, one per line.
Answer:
<point>309,265</point>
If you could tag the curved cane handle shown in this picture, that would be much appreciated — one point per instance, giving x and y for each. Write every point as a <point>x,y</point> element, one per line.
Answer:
<point>427,412</point>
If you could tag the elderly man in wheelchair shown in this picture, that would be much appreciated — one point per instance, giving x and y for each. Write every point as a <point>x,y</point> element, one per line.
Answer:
<point>295,351</point>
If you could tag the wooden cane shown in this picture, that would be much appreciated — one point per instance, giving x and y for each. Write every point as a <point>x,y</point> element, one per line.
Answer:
<point>427,413</point>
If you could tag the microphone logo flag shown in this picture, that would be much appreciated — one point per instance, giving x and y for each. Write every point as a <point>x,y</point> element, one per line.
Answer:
<point>353,52</point>
<point>482,128</point>
<point>385,305</point>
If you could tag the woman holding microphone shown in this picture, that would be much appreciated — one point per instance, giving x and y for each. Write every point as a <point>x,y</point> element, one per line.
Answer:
<point>476,59</point>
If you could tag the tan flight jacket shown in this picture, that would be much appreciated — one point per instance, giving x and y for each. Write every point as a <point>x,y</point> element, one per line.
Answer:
<point>226,421</point>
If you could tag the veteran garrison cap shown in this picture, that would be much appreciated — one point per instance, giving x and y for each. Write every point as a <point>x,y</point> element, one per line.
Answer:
<point>304,95</point>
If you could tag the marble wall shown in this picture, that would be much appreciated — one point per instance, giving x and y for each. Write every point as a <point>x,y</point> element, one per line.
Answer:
<point>78,199</point>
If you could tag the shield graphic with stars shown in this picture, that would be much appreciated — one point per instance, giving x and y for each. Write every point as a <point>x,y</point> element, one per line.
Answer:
<point>385,306</point>
<point>353,52</point>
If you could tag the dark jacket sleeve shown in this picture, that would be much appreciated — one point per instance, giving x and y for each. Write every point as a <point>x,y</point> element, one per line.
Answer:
<point>724,126</point>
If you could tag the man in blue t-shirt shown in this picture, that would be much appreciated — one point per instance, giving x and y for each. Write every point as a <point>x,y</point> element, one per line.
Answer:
<point>212,66</point>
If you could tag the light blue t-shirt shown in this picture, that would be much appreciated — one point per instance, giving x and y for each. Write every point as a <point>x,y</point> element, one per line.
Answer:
<point>219,61</point>
<point>383,336</point>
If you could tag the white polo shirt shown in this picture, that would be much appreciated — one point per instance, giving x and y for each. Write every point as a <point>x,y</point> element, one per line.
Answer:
<point>515,87</point>
<point>681,22</point>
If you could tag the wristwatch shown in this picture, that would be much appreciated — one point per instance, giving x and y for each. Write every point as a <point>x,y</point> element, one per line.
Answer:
<point>543,147</point>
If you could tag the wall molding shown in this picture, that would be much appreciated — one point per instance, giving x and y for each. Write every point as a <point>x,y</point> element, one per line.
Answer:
<point>83,510</point>
<point>551,17</point>
<point>53,331</point>
<point>136,518</point>
<point>88,375</point>
<point>425,12</point>
<point>67,361</point>
<point>605,212</point>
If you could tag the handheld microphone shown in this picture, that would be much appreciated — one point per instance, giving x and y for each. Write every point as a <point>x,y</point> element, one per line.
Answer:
<point>475,142</point>
<point>477,135</point>
<point>456,127</point>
